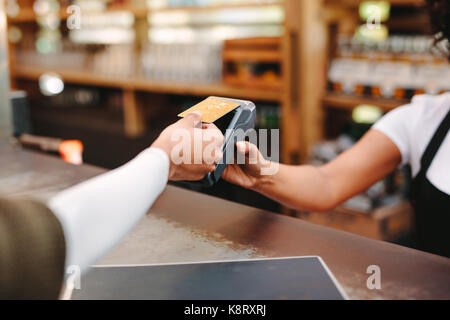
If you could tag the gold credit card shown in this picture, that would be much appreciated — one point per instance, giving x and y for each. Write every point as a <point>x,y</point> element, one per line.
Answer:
<point>212,109</point>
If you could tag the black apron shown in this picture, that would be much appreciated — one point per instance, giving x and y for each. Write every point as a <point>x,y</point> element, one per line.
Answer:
<point>432,206</point>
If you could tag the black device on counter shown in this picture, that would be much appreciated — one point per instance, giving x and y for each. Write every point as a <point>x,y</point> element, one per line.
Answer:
<point>290,278</point>
<point>241,118</point>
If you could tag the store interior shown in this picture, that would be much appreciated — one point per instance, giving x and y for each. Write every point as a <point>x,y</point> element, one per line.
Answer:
<point>113,74</point>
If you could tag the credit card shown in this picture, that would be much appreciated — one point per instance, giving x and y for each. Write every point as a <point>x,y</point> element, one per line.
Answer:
<point>212,108</point>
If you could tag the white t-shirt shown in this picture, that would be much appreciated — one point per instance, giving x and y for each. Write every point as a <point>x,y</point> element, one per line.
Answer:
<point>411,127</point>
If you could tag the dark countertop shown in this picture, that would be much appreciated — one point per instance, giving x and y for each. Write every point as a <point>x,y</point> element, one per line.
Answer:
<point>187,226</point>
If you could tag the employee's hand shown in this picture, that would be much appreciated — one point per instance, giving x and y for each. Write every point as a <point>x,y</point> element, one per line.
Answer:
<point>248,175</point>
<point>182,141</point>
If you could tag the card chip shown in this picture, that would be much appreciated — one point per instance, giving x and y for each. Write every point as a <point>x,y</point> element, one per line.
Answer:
<point>212,109</point>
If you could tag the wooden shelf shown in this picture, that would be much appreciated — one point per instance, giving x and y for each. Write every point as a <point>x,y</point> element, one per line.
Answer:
<point>348,102</point>
<point>139,84</point>
<point>28,14</point>
<point>386,223</point>
<point>218,7</point>
<point>137,11</point>
<point>356,3</point>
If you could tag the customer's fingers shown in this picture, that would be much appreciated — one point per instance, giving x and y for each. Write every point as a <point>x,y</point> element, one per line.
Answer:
<point>218,156</point>
<point>193,119</point>
<point>207,126</point>
<point>213,140</point>
<point>212,154</point>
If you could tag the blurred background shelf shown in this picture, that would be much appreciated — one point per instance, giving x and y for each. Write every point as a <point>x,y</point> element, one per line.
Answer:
<point>27,14</point>
<point>218,7</point>
<point>356,3</point>
<point>134,83</point>
<point>348,102</point>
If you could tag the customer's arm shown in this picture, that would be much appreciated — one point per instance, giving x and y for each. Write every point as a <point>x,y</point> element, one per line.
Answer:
<point>97,214</point>
<point>319,188</point>
<point>83,223</point>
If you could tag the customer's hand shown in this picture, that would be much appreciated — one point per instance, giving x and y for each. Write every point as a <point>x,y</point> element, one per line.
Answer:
<point>248,175</point>
<point>193,148</point>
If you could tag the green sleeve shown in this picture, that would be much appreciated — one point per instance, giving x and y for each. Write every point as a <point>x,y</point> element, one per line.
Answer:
<point>32,251</point>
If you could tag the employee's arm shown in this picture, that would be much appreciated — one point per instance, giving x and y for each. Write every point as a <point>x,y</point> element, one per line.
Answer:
<point>95,215</point>
<point>319,188</point>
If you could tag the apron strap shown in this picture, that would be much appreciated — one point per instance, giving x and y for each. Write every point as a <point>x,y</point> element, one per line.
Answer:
<point>435,144</point>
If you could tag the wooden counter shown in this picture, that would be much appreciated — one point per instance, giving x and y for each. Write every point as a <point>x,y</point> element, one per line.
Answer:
<point>187,226</point>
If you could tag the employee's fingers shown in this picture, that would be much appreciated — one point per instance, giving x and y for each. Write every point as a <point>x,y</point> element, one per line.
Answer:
<point>242,147</point>
<point>250,151</point>
<point>247,148</point>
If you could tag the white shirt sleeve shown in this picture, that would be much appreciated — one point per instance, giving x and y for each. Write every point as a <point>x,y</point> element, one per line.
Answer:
<point>396,125</point>
<point>98,213</point>
<point>412,126</point>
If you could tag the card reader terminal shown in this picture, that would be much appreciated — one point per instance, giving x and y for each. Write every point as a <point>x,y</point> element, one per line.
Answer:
<point>233,124</point>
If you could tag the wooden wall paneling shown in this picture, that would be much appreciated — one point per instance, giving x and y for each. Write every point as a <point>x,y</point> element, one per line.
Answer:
<point>309,35</point>
<point>290,133</point>
<point>133,114</point>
